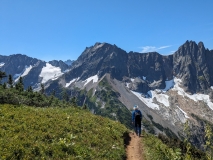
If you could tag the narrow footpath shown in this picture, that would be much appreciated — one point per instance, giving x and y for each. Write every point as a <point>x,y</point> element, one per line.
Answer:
<point>134,150</point>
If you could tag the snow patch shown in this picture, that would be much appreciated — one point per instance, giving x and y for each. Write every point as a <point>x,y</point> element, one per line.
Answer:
<point>147,101</point>
<point>169,84</point>
<point>194,97</point>
<point>67,84</point>
<point>16,76</point>
<point>94,92</point>
<point>132,79</point>
<point>67,70</point>
<point>24,73</point>
<point>177,88</point>
<point>111,55</point>
<point>2,64</point>
<point>185,114</point>
<point>180,115</point>
<point>50,72</point>
<point>93,78</point>
<point>127,85</point>
<point>162,98</point>
<point>98,46</point>
<point>27,70</point>
<point>144,78</point>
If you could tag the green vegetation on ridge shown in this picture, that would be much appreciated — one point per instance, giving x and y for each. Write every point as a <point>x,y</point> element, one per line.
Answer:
<point>164,148</point>
<point>36,126</point>
<point>105,103</point>
<point>58,133</point>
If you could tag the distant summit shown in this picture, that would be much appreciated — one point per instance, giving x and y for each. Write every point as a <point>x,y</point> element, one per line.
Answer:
<point>69,62</point>
<point>33,71</point>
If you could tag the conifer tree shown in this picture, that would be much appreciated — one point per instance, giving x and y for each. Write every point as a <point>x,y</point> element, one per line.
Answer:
<point>29,89</point>
<point>4,85</point>
<point>2,75</point>
<point>10,81</point>
<point>53,93</point>
<point>74,102</point>
<point>65,96</point>
<point>42,88</point>
<point>21,80</point>
<point>20,85</point>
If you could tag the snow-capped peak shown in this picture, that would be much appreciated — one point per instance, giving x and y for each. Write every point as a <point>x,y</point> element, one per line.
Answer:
<point>2,64</point>
<point>50,72</point>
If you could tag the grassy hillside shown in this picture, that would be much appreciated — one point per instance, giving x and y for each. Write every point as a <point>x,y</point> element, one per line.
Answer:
<point>164,148</point>
<point>58,133</point>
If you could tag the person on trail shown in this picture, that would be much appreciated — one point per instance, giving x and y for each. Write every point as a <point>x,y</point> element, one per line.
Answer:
<point>136,120</point>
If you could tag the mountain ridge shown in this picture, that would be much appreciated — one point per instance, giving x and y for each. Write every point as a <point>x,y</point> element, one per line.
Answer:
<point>170,89</point>
<point>106,58</point>
<point>29,68</point>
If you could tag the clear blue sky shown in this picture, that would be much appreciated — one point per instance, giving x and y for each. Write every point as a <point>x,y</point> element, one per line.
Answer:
<point>61,29</point>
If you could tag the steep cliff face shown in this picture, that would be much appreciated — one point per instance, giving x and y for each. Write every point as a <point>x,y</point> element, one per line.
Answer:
<point>193,64</point>
<point>153,67</point>
<point>105,58</point>
<point>97,60</point>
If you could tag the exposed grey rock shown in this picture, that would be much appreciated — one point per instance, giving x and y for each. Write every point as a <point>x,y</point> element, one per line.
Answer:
<point>193,64</point>
<point>16,64</point>
<point>60,64</point>
<point>150,65</point>
<point>99,59</point>
<point>69,62</point>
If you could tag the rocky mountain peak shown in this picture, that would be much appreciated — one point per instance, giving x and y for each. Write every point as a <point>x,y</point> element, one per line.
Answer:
<point>201,45</point>
<point>101,58</point>
<point>191,64</point>
<point>69,62</point>
<point>99,51</point>
<point>191,47</point>
<point>188,63</point>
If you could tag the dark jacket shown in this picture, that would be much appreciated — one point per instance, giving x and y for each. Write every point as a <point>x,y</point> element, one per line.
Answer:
<point>134,113</point>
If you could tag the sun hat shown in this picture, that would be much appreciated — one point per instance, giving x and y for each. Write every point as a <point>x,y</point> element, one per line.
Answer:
<point>135,107</point>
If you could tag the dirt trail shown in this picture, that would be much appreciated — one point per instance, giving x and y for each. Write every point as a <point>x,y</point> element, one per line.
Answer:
<point>134,149</point>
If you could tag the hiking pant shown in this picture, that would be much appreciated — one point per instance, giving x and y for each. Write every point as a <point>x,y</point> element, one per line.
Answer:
<point>138,127</point>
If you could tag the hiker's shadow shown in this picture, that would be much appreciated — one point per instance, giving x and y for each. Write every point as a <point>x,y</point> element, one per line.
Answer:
<point>127,139</point>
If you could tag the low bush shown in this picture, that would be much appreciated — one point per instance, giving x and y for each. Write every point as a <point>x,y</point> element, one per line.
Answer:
<point>58,133</point>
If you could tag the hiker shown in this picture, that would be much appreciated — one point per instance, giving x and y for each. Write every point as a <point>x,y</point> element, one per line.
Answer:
<point>136,120</point>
